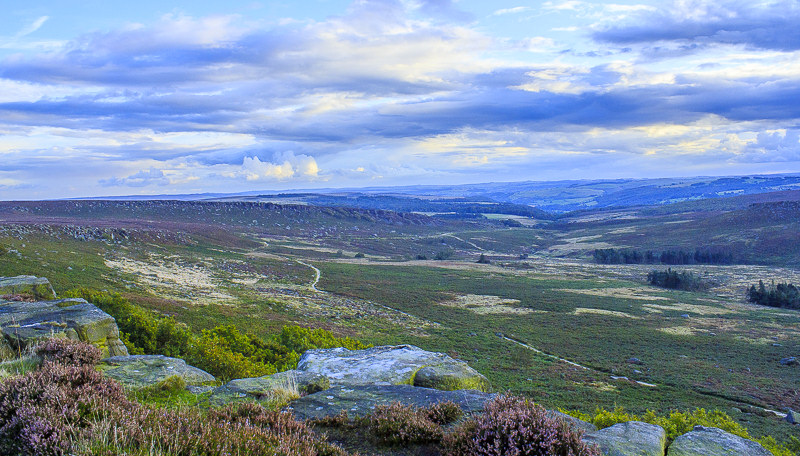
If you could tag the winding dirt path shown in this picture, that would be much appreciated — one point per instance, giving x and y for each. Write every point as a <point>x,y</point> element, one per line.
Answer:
<point>317,275</point>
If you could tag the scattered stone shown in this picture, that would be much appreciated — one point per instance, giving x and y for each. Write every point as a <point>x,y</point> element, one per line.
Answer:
<point>26,323</point>
<point>792,417</point>
<point>575,423</point>
<point>392,365</point>
<point>632,438</point>
<point>709,441</point>
<point>791,361</point>
<point>361,400</point>
<point>259,388</point>
<point>37,287</point>
<point>635,361</point>
<point>777,345</point>
<point>137,371</point>
<point>684,315</point>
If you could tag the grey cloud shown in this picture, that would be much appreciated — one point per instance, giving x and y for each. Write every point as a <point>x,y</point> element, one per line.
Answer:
<point>760,25</point>
<point>143,178</point>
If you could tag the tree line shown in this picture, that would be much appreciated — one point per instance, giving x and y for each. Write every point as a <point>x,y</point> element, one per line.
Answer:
<point>676,280</point>
<point>783,295</point>
<point>672,257</point>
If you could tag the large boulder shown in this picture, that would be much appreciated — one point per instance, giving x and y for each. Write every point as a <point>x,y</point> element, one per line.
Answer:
<point>26,323</point>
<point>265,388</point>
<point>361,400</point>
<point>137,371</point>
<point>392,365</point>
<point>38,288</point>
<point>632,438</point>
<point>709,441</point>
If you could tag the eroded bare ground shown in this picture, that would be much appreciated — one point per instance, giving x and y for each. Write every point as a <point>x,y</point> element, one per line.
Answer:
<point>206,281</point>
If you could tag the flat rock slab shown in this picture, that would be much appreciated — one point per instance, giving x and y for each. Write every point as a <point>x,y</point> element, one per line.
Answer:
<point>137,371</point>
<point>361,400</point>
<point>260,388</point>
<point>632,438</point>
<point>392,365</point>
<point>709,441</point>
<point>25,323</point>
<point>37,287</point>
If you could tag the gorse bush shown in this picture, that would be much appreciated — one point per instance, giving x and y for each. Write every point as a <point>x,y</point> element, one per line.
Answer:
<point>65,408</point>
<point>513,426</point>
<point>223,351</point>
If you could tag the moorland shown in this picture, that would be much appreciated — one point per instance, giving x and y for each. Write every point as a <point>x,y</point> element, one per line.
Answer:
<point>539,316</point>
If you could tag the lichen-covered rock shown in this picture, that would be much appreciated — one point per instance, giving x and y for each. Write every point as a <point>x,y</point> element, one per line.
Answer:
<point>574,423</point>
<point>25,323</point>
<point>37,287</point>
<point>361,400</point>
<point>392,365</point>
<point>632,438</point>
<point>259,388</point>
<point>709,441</point>
<point>137,371</point>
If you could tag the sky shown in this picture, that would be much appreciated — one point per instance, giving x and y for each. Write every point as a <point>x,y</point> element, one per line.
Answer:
<point>101,98</point>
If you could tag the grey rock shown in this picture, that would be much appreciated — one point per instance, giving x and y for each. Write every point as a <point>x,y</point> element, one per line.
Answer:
<point>137,371</point>
<point>264,388</point>
<point>792,417</point>
<point>709,441</point>
<point>632,438</point>
<point>791,361</point>
<point>634,361</point>
<point>392,365</point>
<point>25,323</point>
<point>361,400</point>
<point>38,287</point>
<point>575,423</point>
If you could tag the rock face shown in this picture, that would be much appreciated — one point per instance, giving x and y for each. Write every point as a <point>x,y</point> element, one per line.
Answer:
<point>137,371</point>
<point>633,438</point>
<point>25,323</point>
<point>37,287</point>
<point>263,387</point>
<point>360,400</point>
<point>709,441</point>
<point>392,365</point>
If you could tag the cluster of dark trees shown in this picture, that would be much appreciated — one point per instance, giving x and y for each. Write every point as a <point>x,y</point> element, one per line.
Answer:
<point>676,280</point>
<point>781,295</point>
<point>630,256</point>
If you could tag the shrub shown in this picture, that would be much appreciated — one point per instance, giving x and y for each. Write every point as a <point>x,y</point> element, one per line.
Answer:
<point>223,351</point>
<point>399,424</point>
<point>66,409</point>
<point>444,412</point>
<point>515,426</point>
<point>69,352</point>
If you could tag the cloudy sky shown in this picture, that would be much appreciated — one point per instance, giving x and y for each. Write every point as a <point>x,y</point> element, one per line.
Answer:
<point>150,97</point>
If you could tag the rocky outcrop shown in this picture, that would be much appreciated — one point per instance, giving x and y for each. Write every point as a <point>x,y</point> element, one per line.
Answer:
<point>137,371</point>
<point>259,388</point>
<point>25,323</point>
<point>360,400</point>
<point>392,365</point>
<point>632,438</point>
<point>37,288</point>
<point>709,441</point>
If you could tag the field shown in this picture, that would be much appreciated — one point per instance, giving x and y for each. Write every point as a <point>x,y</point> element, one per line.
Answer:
<point>541,320</point>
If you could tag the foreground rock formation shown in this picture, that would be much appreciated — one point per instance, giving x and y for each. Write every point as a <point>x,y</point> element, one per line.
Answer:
<point>136,371</point>
<point>23,323</point>
<point>392,365</point>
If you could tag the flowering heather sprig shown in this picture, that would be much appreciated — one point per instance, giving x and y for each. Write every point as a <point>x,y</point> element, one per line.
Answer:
<point>512,426</point>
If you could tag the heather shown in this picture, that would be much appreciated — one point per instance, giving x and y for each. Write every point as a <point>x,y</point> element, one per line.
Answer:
<point>67,407</point>
<point>515,426</point>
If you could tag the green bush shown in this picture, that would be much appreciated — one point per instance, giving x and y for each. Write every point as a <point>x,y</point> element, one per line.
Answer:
<point>223,351</point>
